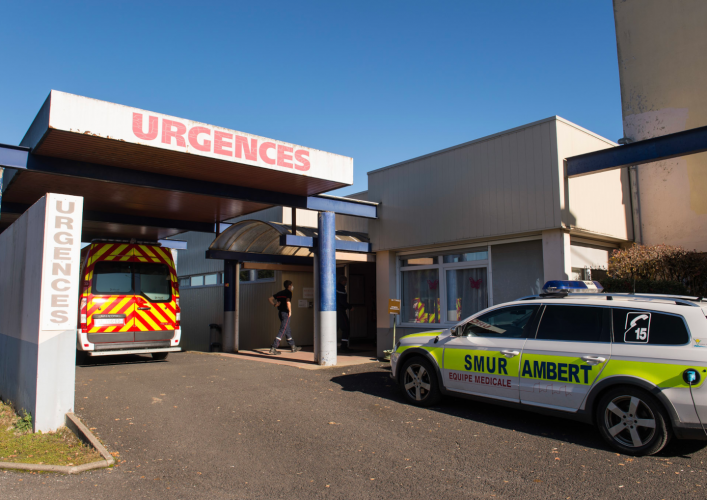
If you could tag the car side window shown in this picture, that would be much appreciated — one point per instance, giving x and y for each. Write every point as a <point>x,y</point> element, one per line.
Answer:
<point>509,322</point>
<point>575,323</point>
<point>649,327</point>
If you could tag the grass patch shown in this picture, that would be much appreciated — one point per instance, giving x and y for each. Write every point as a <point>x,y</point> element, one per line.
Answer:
<point>19,444</point>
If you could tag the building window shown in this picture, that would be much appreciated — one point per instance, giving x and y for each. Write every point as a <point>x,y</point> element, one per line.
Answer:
<point>257,276</point>
<point>420,303</point>
<point>444,288</point>
<point>467,292</point>
<point>217,279</point>
<point>212,279</point>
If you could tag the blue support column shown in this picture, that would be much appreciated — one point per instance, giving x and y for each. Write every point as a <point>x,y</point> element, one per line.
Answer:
<point>231,285</point>
<point>326,264</point>
<point>2,170</point>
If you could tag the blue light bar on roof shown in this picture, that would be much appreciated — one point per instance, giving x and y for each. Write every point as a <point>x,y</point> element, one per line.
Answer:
<point>573,286</point>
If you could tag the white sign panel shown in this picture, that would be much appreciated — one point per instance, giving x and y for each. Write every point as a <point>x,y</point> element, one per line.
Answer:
<point>308,293</point>
<point>61,266</point>
<point>302,303</point>
<point>83,115</point>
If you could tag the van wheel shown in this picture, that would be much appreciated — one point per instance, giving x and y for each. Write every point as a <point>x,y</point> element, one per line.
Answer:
<point>159,356</point>
<point>419,382</point>
<point>632,421</point>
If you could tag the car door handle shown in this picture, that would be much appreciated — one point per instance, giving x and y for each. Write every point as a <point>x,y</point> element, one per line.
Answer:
<point>510,354</point>
<point>144,308</point>
<point>593,360</point>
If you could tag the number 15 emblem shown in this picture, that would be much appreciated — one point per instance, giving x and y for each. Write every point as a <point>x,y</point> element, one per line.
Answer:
<point>637,328</point>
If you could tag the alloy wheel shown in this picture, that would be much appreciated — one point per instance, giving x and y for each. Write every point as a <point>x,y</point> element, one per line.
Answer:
<point>417,382</point>
<point>630,421</point>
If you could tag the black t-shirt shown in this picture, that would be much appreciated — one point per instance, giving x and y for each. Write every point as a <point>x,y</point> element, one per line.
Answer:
<point>283,297</point>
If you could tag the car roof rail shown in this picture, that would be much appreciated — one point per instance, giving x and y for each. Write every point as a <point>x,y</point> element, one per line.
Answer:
<point>679,300</point>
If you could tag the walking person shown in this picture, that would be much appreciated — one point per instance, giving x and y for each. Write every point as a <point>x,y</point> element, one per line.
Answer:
<point>282,300</point>
<point>342,318</point>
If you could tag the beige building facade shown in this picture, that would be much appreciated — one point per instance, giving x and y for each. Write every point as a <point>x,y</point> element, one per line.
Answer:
<point>489,221</point>
<point>661,52</point>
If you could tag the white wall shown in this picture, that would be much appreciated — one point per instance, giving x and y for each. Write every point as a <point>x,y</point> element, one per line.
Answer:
<point>38,309</point>
<point>583,256</point>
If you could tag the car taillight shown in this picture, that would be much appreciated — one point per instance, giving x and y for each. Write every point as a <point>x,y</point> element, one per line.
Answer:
<point>84,326</point>
<point>179,313</point>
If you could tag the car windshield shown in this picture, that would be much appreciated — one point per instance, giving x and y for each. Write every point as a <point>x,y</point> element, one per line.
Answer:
<point>112,278</point>
<point>508,322</point>
<point>155,281</point>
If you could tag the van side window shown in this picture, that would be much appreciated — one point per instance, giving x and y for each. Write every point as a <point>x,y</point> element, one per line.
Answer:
<point>112,278</point>
<point>509,322</point>
<point>649,327</point>
<point>575,323</point>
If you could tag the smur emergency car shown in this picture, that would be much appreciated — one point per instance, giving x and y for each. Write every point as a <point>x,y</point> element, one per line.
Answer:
<point>129,301</point>
<point>633,365</point>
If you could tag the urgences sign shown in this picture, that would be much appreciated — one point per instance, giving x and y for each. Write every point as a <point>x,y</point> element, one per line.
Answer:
<point>94,118</point>
<point>209,140</point>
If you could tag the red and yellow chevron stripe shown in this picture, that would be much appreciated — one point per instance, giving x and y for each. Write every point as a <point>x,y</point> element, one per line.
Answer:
<point>140,314</point>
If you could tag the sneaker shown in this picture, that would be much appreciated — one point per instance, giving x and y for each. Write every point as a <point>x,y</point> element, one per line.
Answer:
<point>295,348</point>
<point>274,351</point>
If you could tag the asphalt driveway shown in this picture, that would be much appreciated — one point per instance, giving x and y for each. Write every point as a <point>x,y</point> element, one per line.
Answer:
<point>207,426</point>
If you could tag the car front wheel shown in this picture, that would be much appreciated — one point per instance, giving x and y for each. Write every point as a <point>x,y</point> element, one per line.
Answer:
<point>632,421</point>
<point>419,382</point>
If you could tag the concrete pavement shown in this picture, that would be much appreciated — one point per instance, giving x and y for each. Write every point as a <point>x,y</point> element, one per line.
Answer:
<point>204,426</point>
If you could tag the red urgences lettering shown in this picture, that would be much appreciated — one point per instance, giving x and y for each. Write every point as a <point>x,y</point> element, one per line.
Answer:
<point>224,143</point>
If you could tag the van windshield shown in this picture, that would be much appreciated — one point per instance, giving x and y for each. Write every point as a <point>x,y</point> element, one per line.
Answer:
<point>155,281</point>
<point>112,278</point>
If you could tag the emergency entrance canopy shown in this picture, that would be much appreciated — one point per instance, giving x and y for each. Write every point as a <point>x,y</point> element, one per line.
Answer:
<point>149,175</point>
<point>80,128</point>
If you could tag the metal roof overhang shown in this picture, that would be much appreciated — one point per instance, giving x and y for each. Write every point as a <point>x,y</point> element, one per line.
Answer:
<point>258,241</point>
<point>149,191</point>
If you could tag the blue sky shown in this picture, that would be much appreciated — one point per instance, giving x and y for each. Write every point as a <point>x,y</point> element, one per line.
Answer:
<point>381,81</point>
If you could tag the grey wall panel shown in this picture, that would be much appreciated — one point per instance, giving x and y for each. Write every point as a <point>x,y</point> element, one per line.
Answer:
<point>357,224</point>
<point>200,307</point>
<point>258,319</point>
<point>504,184</point>
<point>517,270</point>
<point>192,260</point>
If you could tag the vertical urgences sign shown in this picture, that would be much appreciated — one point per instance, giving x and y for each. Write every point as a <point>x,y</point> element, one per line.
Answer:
<point>62,255</point>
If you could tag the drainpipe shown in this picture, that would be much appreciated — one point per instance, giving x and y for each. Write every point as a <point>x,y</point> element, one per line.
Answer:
<point>635,204</point>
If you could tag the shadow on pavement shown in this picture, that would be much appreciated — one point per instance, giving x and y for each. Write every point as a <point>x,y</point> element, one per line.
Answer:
<point>126,359</point>
<point>381,385</point>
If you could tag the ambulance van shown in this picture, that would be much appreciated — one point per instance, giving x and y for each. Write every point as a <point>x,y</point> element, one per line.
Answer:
<point>129,302</point>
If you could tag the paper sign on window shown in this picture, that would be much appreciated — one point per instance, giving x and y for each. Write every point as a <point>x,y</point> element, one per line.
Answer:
<point>637,328</point>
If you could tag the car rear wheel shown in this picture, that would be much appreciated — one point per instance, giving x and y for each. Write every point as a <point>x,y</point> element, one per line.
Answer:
<point>419,382</point>
<point>158,356</point>
<point>632,421</point>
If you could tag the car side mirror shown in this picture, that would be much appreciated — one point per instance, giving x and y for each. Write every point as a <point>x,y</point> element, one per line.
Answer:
<point>455,331</point>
